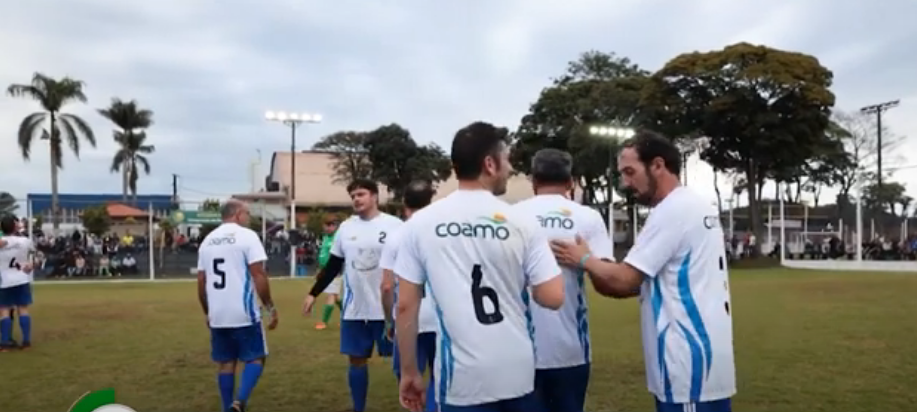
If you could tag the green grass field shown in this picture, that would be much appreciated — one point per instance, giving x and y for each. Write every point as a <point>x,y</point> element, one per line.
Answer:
<point>805,342</point>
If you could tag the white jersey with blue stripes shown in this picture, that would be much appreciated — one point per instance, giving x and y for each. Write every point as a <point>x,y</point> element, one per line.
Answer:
<point>685,302</point>
<point>359,242</point>
<point>562,336</point>
<point>224,257</point>
<point>427,318</point>
<point>478,256</point>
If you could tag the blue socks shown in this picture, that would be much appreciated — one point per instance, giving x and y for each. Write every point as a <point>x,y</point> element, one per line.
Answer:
<point>358,378</point>
<point>6,330</point>
<point>25,323</point>
<point>249,380</point>
<point>226,383</point>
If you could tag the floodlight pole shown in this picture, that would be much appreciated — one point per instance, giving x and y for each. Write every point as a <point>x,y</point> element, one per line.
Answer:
<point>616,134</point>
<point>292,121</point>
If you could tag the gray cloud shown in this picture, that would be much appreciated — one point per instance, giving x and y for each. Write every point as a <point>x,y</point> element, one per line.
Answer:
<point>209,69</point>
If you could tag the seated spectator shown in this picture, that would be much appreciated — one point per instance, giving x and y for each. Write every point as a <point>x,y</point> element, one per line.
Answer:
<point>104,264</point>
<point>115,264</point>
<point>129,265</point>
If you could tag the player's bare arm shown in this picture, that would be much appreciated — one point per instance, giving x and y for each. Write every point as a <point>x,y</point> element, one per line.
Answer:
<point>409,296</point>
<point>202,290</point>
<point>388,294</point>
<point>618,280</point>
<point>263,288</point>
<point>550,294</point>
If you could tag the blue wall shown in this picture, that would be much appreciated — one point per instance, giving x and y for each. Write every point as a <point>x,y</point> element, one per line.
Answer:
<point>41,202</point>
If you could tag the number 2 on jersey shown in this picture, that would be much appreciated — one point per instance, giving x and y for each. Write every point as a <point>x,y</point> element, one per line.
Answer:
<point>218,270</point>
<point>479,293</point>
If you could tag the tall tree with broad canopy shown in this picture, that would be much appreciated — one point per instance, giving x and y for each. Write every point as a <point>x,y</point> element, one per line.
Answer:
<point>397,159</point>
<point>132,122</point>
<point>764,111</point>
<point>351,159</point>
<point>597,89</point>
<point>53,125</point>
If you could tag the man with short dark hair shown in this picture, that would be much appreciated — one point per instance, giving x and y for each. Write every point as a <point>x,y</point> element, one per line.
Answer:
<point>480,261</point>
<point>15,284</point>
<point>356,251</point>
<point>417,195</point>
<point>230,271</point>
<point>563,351</point>
<point>677,266</point>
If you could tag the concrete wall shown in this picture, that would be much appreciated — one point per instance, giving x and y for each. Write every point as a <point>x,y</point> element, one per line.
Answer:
<point>853,265</point>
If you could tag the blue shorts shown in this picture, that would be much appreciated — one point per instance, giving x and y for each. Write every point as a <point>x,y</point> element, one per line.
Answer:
<point>245,344</point>
<point>359,336</point>
<point>562,389</point>
<point>722,405</point>
<point>20,295</point>
<point>426,354</point>
<point>527,403</point>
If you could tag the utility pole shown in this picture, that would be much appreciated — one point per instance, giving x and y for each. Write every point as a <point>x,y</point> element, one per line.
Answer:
<point>878,109</point>
<point>174,191</point>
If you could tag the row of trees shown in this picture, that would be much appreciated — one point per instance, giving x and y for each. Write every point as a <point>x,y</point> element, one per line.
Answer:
<point>388,155</point>
<point>57,127</point>
<point>754,113</point>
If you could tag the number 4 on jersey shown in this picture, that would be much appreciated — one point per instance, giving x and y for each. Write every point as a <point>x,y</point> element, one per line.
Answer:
<point>479,293</point>
<point>14,264</point>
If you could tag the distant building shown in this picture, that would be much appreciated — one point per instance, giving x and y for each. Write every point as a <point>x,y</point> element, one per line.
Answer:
<point>72,206</point>
<point>315,188</point>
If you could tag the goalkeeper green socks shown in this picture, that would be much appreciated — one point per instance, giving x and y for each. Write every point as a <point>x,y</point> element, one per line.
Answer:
<point>326,313</point>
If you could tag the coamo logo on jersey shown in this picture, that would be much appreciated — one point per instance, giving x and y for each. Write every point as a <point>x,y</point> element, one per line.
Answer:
<point>557,219</point>
<point>99,401</point>
<point>492,227</point>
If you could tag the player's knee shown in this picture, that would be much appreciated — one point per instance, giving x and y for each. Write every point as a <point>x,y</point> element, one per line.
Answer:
<point>227,367</point>
<point>22,310</point>
<point>355,361</point>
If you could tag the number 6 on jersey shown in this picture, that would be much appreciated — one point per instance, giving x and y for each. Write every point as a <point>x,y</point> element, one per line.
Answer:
<point>479,293</point>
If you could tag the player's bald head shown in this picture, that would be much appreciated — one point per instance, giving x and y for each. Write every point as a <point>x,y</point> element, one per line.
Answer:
<point>231,209</point>
<point>418,194</point>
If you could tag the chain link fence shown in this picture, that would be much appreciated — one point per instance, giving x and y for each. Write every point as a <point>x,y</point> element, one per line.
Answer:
<point>147,238</point>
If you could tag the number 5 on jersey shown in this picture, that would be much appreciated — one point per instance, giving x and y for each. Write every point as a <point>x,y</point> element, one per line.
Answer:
<point>479,293</point>
<point>218,271</point>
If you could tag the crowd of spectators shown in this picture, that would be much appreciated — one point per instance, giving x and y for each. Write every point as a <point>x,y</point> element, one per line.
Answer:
<point>829,246</point>
<point>82,254</point>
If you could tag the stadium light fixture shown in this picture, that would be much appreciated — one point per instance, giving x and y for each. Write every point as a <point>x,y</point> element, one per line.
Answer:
<point>616,134</point>
<point>293,121</point>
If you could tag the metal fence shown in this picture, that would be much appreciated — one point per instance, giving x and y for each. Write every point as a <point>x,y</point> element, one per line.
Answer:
<point>148,240</point>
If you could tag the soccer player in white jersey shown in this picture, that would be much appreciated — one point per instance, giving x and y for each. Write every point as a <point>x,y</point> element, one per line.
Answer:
<point>417,195</point>
<point>230,271</point>
<point>481,259</point>
<point>562,345</point>
<point>15,285</point>
<point>356,250</point>
<point>677,266</point>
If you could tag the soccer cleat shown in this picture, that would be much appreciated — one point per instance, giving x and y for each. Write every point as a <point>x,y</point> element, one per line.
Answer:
<point>237,407</point>
<point>8,346</point>
<point>25,345</point>
<point>321,326</point>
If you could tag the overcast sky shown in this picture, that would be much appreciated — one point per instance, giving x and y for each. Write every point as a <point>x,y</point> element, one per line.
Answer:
<point>209,69</point>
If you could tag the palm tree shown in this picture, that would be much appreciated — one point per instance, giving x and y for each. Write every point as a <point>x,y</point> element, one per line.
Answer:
<point>52,94</point>
<point>132,121</point>
<point>8,205</point>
